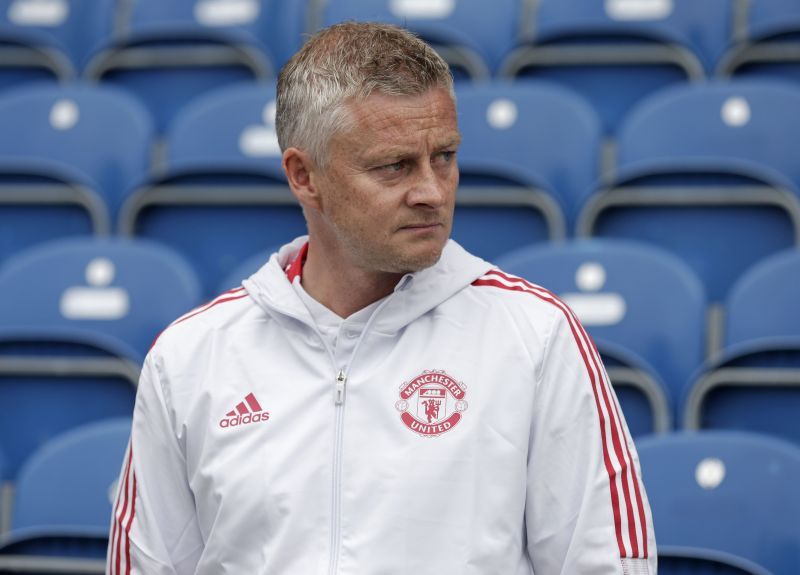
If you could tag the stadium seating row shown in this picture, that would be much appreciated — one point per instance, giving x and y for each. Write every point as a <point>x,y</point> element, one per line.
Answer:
<point>58,509</point>
<point>719,186</point>
<point>92,308</point>
<point>723,502</point>
<point>613,52</point>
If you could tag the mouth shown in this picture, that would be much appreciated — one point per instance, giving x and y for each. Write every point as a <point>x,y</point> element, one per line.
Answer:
<point>422,226</point>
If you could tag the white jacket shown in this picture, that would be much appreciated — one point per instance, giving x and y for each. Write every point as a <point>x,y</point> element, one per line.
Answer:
<point>469,428</point>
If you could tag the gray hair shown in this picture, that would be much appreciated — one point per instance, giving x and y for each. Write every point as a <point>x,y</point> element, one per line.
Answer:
<point>346,63</point>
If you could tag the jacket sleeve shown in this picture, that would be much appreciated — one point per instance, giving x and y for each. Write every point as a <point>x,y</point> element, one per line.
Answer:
<point>153,527</point>
<point>586,508</point>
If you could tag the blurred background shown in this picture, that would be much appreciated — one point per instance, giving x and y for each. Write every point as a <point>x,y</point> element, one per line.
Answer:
<point>640,158</point>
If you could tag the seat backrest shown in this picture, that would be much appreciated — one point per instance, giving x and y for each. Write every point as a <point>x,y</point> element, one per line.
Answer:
<point>68,26</point>
<point>168,53</point>
<point>286,27</point>
<point>487,29</point>
<point>238,21</point>
<point>763,302</point>
<point>616,52</point>
<point>765,46</point>
<point>772,19</point>
<point>749,124</point>
<point>707,172</point>
<point>224,163</point>
<point>5,504</point>
<point>70,481</point>
<point>676,560</point>
<point>233,127</point>
<point>753,384</point>
<point>53,379</point>
<point>96,131</point>
<point>734,492</point>
<point>127,289</point>
<point>631,295</point>
<point>704,28</point>
<point>533,133</point>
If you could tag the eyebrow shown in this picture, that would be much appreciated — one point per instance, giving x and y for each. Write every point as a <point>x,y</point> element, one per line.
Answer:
<point>402,151</point>
<point>455,141</point>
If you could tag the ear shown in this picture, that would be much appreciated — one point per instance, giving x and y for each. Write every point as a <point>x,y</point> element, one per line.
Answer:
<point>299,168</point>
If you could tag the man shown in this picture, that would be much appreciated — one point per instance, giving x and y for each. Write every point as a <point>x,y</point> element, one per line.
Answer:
<point>375,400</point>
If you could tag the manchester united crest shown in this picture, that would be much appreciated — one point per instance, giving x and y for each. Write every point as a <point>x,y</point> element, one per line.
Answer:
<point>432,403</point>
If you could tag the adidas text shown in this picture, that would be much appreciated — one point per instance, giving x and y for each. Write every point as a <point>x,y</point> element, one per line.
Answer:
<point>244,420</point>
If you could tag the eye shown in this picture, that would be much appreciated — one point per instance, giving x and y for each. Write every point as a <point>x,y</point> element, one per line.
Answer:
<point>445,157</point>
<point>394,167</point>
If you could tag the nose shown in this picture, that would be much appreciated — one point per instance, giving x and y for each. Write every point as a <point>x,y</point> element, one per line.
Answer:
<point>429,189</point>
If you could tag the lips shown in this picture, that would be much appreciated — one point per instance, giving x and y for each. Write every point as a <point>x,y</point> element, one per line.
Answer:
<point>421,225</point>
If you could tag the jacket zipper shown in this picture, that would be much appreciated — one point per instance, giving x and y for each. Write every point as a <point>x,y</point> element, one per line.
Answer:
<point>336,493</point>
<point>340,392</point>
<point>341,380</point>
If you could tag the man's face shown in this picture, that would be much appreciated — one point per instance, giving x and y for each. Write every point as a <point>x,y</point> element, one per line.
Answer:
<point>388,189</point>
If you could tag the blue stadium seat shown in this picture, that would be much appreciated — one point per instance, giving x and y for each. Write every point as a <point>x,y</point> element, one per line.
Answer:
<point>222,195</point>
<point>47,41</point>
<point>518,186</point>
<point>55,36</point>
<point>677,560</point>
<point>64,169</point>
<point>643,307</point>
<point>767,44</point>
<point>5,501</point>
<point>731,492</point>
<point>63,495</point>
<point>754,382</point>
<point>76,318</point>
<point>761,303</point>
<point>286,28</point>
<point>616,52</point>
<point>471,35</point>
<point>167,53</point>
<point>55,379</point>
<point>709,173</point>
<point>126,289</point>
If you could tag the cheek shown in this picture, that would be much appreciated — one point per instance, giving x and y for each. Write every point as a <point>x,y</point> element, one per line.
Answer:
<point>357,213</point>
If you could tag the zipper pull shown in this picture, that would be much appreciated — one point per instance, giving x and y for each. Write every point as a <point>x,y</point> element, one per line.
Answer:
<point>341,380</point>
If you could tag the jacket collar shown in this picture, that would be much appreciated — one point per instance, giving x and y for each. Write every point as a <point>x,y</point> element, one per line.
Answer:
<point>415,294</point>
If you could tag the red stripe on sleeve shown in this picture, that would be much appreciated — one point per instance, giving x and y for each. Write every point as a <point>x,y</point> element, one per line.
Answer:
<point>626,462</point>
<point>121,486</point>
<point>209,306</point>
<point>118,524</point>
<point>639,499</point>
<point>222,298</point>
<point>616,441</point>
<point>593,365</point>
<point>128,529</point>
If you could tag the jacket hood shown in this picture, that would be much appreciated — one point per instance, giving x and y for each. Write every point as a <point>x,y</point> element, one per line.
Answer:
<point>415,294</point>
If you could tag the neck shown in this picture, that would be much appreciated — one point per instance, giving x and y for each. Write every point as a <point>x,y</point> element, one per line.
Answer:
<point>344,289</point>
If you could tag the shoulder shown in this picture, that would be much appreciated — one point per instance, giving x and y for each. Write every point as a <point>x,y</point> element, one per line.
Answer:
<point>525,296</point>
<point>197,325</point>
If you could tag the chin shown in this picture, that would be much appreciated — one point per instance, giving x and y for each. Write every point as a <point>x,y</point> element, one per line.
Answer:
<point>409,263</point>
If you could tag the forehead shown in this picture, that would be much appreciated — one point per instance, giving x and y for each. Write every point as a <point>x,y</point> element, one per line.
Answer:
<point>382,121</point>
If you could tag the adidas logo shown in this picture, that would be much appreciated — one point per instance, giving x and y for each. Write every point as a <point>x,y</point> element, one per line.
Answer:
<point>247,411</point>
